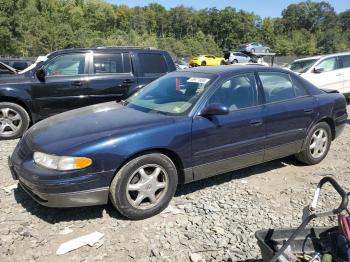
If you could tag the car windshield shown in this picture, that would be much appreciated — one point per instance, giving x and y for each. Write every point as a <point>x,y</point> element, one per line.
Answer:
<point>174,94</point>
<point>301,66</point>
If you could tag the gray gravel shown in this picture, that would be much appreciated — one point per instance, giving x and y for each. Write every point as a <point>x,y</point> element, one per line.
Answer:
<point>216,221</point>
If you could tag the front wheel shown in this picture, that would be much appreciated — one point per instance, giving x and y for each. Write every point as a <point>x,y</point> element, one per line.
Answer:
<point>14,120</point>
<point>144,186</point>
<point>317,144</point>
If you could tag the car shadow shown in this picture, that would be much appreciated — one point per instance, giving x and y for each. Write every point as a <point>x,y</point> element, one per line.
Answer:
<point>56,215</point>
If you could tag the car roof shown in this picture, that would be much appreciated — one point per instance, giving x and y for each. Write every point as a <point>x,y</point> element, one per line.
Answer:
<point>322,56</point>
<point>231,69</point>
<point>107,49</point>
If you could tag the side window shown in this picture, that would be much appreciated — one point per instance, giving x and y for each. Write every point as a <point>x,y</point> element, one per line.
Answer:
<point>328,64</point>
<point>345,60</point>
<point>111,63</point>
<point>69,64</point>
<point>299,88</point>
<point>153,64</point>
<point>237,92</point>
<point>277,86</point>
<point>20,65</point>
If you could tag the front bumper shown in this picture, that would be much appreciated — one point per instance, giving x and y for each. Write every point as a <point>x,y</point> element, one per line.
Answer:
<point>93,197</point>
<point>70,190</point>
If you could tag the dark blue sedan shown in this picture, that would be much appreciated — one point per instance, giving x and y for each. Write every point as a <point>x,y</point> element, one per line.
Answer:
<point>185,126</point>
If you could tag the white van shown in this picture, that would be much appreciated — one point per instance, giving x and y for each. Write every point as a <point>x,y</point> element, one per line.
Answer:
<point>328,71</point>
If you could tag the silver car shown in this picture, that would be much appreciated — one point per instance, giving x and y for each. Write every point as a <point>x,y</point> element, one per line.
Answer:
<point>254,47</point>
<point>236,57</point>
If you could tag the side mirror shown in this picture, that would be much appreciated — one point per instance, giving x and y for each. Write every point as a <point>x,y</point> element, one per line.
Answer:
<point>214,109</point>
<point>318,70</point>
<point>40,74</point>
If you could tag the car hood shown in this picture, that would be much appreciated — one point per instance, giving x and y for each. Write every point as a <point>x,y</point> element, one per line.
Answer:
<point>90,124</point>
<point>13,79</point>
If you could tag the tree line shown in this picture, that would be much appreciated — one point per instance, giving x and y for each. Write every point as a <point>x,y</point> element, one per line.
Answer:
<point>30,28</point>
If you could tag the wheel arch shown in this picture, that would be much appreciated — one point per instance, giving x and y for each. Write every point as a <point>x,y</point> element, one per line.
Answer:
<point>19,102</point>
<point>331,124</point>
<point>174,157</point>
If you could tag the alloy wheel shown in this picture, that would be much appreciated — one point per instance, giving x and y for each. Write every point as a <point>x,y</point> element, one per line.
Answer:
<point>10,121</point>
<point>318,143</point>
<point>147,186</point>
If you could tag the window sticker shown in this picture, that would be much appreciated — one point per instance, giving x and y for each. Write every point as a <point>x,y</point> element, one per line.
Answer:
<point>198,80</point>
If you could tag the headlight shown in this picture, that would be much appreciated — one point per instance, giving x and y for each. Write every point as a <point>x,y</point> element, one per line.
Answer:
<point>61,163</point>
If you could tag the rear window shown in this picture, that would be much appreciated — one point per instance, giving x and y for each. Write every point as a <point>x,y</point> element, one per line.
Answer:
<point>111,63</point>
<point>20,65</point>
<point>153,65</point>
<point>345,60</point>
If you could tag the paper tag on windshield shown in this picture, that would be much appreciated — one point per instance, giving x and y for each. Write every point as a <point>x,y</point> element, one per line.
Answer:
<point>198,80</point>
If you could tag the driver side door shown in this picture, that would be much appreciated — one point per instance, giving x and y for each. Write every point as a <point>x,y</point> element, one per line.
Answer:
<point>65,86</point>
<point>330,77</point>
<point>228,142</point>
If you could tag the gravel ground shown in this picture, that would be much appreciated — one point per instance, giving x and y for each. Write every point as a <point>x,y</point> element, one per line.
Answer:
<point>216,218</point>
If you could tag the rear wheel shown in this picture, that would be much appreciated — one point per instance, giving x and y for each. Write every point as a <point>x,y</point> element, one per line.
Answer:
<point>144,186</point>
<point>203,63</point>
<point>235,61</point>
<point>14,120</point>
<point>317,145</point>
<point>252,51</point>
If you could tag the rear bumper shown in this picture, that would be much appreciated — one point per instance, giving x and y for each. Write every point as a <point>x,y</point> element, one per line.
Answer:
<point>340,123</point>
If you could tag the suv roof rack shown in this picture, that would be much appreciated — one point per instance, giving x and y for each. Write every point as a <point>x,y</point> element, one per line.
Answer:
<point>130,47</point>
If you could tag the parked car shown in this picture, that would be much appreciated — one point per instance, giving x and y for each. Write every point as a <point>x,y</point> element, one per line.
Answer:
<point>328,71</point>
<point>181,64</point>
<point>236,57</point>
<point>185,126</point>
<point>73,78</point>
<point>18,64</point>
<point>254,47</point>
<point>6,70</point>
<point>206,60</point>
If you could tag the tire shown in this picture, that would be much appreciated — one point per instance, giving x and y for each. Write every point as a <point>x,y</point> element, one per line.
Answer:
<point>309,156</point>
<point>235,61</point>
<point>252,51</point>
<point>222,62</point>
<point>129,176</point>
<point>203,63</point>
<point>13,115</point>
<point>267,50</point>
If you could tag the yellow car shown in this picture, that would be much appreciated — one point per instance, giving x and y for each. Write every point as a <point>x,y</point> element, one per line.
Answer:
<point>206,60</point>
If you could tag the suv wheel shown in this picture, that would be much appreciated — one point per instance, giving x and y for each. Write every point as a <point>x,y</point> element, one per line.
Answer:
<point>317,145</point>
<point>14,120</point>
<point>144,186</point>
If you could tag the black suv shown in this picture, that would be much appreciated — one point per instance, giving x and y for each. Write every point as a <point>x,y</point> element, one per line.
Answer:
<point>73,78</point>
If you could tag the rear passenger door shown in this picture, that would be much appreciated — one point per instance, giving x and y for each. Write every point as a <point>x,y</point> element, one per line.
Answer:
<point>111,76</point>
<point>289,113</point>
<point>150,66</point>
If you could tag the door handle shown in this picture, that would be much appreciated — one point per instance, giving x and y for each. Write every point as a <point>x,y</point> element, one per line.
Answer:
<point>308,111</point>
<point>256,122</point>
<point>128,81</point>
<point>77,83</point>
